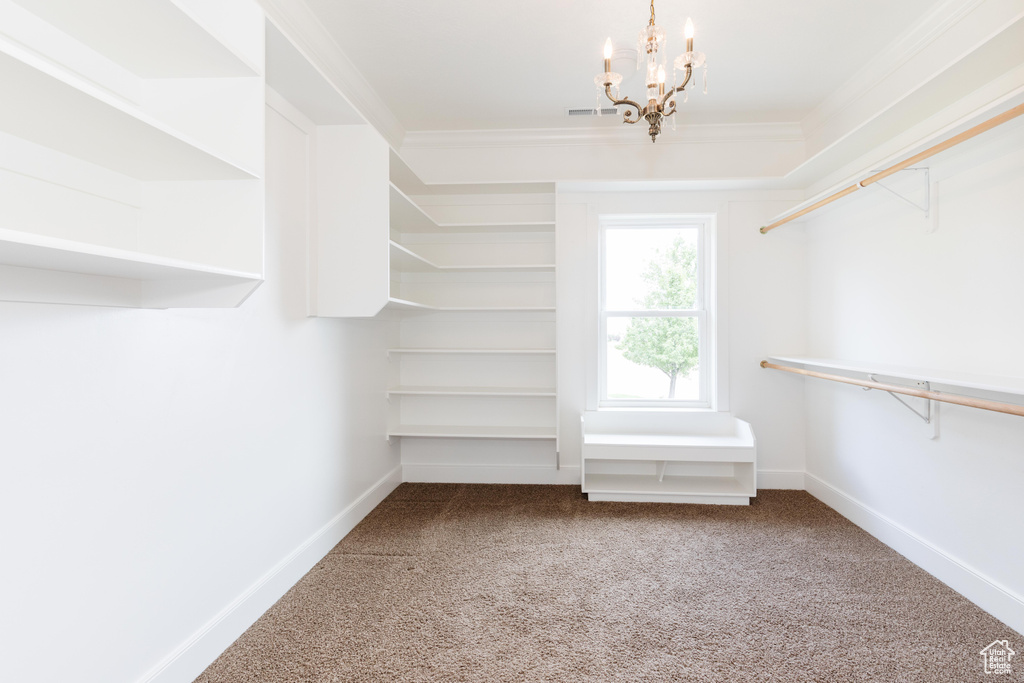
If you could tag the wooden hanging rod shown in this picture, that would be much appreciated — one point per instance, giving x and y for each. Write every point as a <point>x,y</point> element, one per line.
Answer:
<point>906,163</point>
<point>983,404</point>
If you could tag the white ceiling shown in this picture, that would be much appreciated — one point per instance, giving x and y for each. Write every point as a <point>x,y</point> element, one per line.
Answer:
<point>479,64</point>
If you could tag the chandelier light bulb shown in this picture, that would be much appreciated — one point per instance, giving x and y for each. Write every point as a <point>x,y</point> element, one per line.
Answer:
<point>661,75</point>
<point>608,48</point>
<point>688,31</point>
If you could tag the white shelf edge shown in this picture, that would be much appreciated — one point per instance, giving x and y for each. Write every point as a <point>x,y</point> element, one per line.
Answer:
<point>393,245</point>
<point>468,268</point>
<point>84,87</point>
<point>538,268</point>
<point>470,432</point>
<point>418,209</point>
<point>496,309</point>
<point>550,352</point>
<point>955,128</point>
<point>508,392</point>
<point>226,47</point>
<point>405,304</point>
<point>494,224</point>
<point>963,380</point>
<point>29,250</point>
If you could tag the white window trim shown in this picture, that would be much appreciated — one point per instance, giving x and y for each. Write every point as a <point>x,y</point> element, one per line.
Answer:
<point>708,316</point>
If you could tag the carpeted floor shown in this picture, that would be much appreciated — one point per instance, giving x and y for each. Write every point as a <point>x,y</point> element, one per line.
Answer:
<point>446,582</point>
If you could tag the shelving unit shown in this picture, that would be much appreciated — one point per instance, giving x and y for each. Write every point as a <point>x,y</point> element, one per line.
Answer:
<point>1008,386</point>
<point>470,280</point>
<point>470,432</point>
<point>491,279</point>
<point>132,147</point>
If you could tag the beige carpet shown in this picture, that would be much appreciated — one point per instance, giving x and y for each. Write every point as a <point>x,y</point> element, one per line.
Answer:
<point>533,583</point>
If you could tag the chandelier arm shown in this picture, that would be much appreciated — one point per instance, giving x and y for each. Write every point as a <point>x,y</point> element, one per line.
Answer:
<point>679,88</point>
<point>626,101</point>
<point>671,109</point>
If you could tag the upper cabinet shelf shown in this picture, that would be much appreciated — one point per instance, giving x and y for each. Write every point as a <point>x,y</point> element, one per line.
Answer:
<point>407,216</point>
<point>45,106</point>
<point>109,105</point>
<point>377,249</point>
<point>408,261</point>
<point>153,38</point>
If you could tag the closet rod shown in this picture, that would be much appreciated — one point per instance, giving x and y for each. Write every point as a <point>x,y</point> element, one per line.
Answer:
<point>895,168</point>
<point>983,404</point>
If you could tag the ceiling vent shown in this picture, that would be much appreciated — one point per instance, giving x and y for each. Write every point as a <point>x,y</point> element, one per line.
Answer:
<point>590,111</point>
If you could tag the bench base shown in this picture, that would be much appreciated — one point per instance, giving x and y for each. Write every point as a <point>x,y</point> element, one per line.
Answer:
<point>667,498</point>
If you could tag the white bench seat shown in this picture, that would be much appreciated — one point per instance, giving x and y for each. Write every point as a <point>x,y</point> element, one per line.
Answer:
<point>668,456</point>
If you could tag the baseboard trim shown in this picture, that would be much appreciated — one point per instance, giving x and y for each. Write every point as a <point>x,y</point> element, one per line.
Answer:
<point>192,657</point>
<point>780,479</point>
<point>999,601</point>
<point>490,474</point>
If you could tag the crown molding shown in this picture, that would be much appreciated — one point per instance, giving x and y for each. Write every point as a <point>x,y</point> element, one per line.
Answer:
<point>299,24</point>
<point>888,61</point>
<point>618,135</point>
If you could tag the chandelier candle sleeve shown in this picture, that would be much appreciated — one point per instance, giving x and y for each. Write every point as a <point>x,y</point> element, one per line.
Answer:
<point>661,101</point>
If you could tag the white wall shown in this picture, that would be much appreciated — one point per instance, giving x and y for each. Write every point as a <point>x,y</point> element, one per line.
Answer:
<point>764,302</point>
<point>159,465</point>
<point>882,289</point>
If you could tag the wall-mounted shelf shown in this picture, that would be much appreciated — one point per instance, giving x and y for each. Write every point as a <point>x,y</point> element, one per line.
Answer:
<point>406,305</point>
<point>515,352</point>
<point>40,269</point>
<point>408,261</point>
<point>1013,386</point>
<point>471,432</point>
<point>956,388</point>
<point>522,226</point>
<point>132,143</point>
<point>166,40</point>
<point>52,108</point>
<point>472,391</point>
<point>956,134</point>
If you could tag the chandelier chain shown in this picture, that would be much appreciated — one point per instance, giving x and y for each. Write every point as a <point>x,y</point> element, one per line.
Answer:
<point>652,13</point>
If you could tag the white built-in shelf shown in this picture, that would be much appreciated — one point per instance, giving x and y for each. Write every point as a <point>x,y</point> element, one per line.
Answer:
<point>164,40</point>
<point>473,432</point>
<point>408,261</point>
<point>406,305</point>
<point>40,269</point>
<point>668,485</point>
<point>964,380</point>
<point>54,108</point>
<point>132,135</point>
<point>523,392</point>
<point>407,216</point>
<point>514,352</point>
<point>521,226</point>
<point>27,250</point>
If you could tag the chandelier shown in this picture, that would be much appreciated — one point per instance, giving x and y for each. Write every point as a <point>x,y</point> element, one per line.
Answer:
<point>661,103</point>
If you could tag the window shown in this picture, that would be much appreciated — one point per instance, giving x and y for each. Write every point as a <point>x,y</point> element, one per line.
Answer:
<point>655,328</point>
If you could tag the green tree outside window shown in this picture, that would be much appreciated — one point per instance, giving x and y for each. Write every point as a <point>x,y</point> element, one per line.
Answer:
<point>670,344</point>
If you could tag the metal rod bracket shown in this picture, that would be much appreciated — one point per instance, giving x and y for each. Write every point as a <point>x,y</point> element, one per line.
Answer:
<point>928,206</point>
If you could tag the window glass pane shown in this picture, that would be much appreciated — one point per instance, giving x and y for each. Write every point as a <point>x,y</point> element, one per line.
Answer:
<point>653,359</point>
<point>650,268</point>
